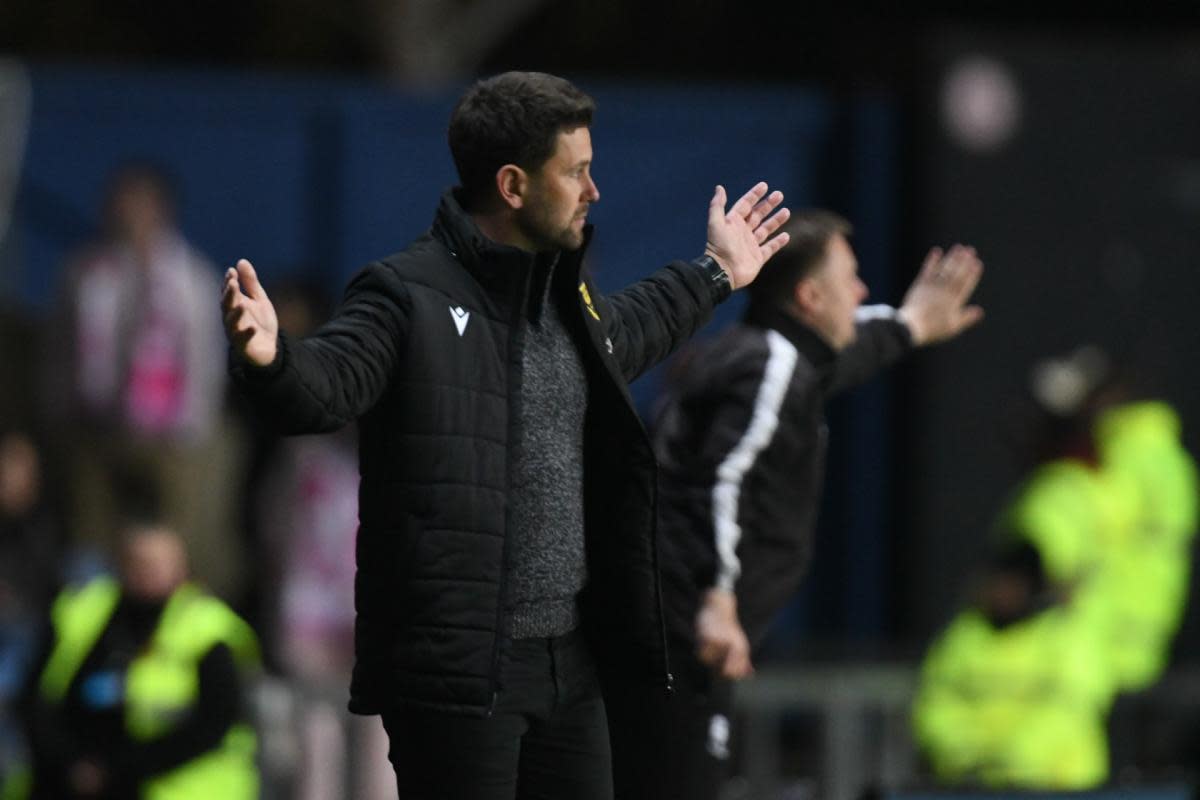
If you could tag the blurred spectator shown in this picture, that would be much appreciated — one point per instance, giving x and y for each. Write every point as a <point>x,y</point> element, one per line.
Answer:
<point>140,692</point>
<point>1109,512</point>
<point>29,539</point>
<point>1112,509</point>
<point>1014,694</point>
<point>309,518</point>
<point>141,378</point>
<point>28,577</point>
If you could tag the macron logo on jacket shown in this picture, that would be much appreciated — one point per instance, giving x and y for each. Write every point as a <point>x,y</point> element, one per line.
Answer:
<point>460,317</point>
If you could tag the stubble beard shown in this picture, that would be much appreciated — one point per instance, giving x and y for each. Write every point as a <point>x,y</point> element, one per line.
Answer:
<point>540,229</point>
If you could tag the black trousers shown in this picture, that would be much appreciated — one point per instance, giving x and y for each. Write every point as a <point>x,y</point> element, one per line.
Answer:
<point>676,746</point>
<point>547,738</point>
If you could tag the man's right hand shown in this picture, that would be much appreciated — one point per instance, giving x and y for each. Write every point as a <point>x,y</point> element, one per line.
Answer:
<point>720,641</point>
<point>250,322</point>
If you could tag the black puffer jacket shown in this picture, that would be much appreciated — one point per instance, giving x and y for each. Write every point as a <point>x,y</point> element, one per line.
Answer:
<point>741,440</point>
<point>425,352</point>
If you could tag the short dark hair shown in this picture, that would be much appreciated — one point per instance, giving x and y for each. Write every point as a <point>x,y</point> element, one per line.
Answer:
<point>512,118</point>
<point>809,232</point>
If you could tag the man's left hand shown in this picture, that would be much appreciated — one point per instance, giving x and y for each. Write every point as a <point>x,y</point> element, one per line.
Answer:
<point>935,306</point>
<point>721,642</point>
<point>740,240</point>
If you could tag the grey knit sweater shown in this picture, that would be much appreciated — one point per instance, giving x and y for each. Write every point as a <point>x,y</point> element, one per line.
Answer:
<point>548,564</point>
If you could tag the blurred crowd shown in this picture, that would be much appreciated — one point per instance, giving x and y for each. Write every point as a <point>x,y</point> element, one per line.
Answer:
<point>118,420</point>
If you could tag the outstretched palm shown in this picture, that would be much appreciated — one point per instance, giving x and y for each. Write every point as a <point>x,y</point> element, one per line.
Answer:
<point>936,306</point>
<point>741,240</point>
<point>250,322</point>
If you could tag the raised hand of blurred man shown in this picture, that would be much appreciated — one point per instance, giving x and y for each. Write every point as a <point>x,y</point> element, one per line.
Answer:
<point>935,306</point>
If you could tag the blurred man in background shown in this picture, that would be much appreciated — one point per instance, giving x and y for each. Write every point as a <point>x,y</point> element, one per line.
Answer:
<point>741,439</point>
<point>140,694</point>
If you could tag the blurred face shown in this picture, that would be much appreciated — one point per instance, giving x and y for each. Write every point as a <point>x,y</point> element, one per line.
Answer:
<point>294,315</point>
<point>558,195</point>
<point>1005,598</point>
<point>138,212</point>
<point>20,475</point>
<point>833,294</point>
<point>153,564</point>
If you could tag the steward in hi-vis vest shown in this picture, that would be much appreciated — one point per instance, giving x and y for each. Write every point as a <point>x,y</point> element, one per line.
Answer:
<point>1015,693</point>
<point>140,695</point>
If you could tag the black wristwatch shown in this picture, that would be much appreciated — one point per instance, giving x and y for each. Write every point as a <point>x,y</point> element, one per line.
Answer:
<point>718,278</point>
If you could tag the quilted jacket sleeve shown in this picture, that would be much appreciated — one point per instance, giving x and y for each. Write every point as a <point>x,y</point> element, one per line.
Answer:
<point>650,319</point>
<point>326,380</point>
<point>881,339</point>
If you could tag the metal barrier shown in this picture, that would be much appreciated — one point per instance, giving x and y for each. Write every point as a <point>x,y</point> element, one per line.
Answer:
<point>859,713</point>
<point>865,741</point>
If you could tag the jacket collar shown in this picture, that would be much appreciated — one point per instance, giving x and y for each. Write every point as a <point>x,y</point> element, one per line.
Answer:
<point>490,262</point>
<point>810,344</point>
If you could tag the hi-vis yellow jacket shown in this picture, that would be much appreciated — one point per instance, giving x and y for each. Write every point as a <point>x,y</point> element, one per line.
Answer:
<point>162,683</point>
<point>1118,534</point>
<point>1023,706</point>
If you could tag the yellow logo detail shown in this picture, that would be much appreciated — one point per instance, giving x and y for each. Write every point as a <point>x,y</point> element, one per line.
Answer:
<point>587,301</point>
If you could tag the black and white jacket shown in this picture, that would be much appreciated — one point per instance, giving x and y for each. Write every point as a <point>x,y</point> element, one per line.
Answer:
<point>425,352</point>
<point>741,442</point>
